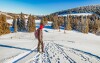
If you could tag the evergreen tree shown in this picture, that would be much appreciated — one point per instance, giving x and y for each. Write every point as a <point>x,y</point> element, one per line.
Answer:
<point>65,24</point>
<point>22,22</point>
<point>75,23</point>
<point>82,26</point>
<point>94,24</point>
<point>15,24</point>
<point>69,23</point>
<point>86,30</point>
<point>1,31</point>
<point>60,21</point>
<point>31,24</point>
<point>18,24</point>
<point>45,20</point>
<point>55,22</point>
<point>42,21</point>
<point>98,24</point>
<point>4,26</point>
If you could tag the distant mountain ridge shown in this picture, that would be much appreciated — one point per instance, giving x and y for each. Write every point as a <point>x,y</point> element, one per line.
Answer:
<point>84,9</point>
<point>95,9</point>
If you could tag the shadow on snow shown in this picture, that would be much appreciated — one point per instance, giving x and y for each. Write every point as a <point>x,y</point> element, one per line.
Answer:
<point>7,46</point>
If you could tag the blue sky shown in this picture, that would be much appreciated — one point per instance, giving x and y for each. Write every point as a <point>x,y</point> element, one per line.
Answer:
<point>41,7</point>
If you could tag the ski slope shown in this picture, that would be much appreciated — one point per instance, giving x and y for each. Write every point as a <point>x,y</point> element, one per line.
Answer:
<point>71,47</point>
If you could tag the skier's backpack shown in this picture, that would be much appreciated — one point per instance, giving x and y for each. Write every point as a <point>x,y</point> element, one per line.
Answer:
<point>36,33</point>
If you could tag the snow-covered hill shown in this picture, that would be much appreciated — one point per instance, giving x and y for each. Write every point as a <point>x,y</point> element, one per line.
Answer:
<point>11,15</point>
<point>72,47</point>
<point>4,13</point>
<point>77,14</point>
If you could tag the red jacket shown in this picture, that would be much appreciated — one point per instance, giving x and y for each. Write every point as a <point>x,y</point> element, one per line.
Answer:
<point>41,27</point>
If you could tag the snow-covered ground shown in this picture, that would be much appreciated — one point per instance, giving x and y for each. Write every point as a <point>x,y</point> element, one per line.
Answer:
<point>10,21</point>
<point>71,47</point>
<point>77,14</point>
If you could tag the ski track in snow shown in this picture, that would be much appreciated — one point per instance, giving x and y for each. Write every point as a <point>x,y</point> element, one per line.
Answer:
<point>55,53</point>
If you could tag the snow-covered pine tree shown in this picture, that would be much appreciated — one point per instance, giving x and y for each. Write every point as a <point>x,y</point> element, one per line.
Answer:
<point>90,24</point>
<point>86,25</point>
<point>49,17</point>
<point>69,23</point>
<point>28,23</point>
<point>75,23</point>
<point>45,20</point>
<point>72,21</point>
<point>59,22</point>
<point>42,21</point>
<point>55,22</point>
<point>78,21</point>
<point>82,25</point>
<point>31,24</point>
<point>98,24</point>
<point>94,24</point>
<point>65,24</point>
<point>18,24</point>
<point>1,31</point>
<point>22,22</point>
<point>4,26</point>
<point>15,24</point>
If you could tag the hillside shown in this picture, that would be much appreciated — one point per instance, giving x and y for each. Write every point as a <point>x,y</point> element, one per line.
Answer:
<point>84,9</point>
<point>11,15</point>
<point>7,15</point>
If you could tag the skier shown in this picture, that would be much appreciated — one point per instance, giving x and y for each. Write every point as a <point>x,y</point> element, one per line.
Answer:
<point>40,38</point>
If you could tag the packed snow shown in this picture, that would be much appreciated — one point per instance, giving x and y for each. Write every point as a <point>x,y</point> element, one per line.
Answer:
<point>59,47</point>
